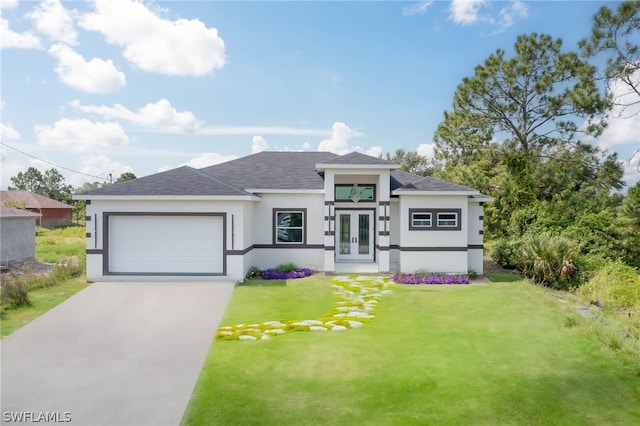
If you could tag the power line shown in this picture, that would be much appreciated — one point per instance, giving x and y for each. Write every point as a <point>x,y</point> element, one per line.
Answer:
<point>49,162</point>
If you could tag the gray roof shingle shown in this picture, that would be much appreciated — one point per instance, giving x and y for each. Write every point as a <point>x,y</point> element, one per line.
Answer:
<point>264,170</point>
<point>273,170</point>
<point>358,159</point>
<point>181,181</point>
<point>31,200</point>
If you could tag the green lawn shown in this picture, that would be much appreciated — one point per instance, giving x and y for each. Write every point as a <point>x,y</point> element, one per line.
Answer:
<point>53,245</point>
<point>41,301</point>
<point>496,353</point>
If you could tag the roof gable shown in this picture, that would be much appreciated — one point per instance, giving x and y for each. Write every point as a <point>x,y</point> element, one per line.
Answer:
<point>31,200</point>
<point>273,170</point>
<point>357,158</point>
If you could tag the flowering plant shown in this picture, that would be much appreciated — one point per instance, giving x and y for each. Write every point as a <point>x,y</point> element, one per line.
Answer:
<point>277,274</point>
<point>430,279</point>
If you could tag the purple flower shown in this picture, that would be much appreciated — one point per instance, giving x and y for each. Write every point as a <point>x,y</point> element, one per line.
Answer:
<point>430,279</point>
<point>276,274</point>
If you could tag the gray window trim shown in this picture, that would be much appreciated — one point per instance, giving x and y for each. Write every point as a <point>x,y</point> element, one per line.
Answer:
<point>434,220</point>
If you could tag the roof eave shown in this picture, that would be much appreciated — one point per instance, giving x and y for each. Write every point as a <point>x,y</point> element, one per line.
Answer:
<point>248,197</point>
<point>417,192</point>
<point>323,166</point>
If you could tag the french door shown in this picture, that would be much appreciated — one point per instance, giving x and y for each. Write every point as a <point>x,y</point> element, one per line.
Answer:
<point>354,230</point>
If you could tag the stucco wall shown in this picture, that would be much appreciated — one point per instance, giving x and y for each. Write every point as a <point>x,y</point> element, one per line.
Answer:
<point>432,250</point>
<point>235,229</point>
<point>265,253</point>
<point>18,239</point>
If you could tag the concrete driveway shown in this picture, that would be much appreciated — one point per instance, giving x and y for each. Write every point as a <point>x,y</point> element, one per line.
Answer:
<point>113,354</point>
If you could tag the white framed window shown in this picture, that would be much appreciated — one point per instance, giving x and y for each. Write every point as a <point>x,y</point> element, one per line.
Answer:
<point>421,219</point>
<point>447,220</point>
<point>289,226</point>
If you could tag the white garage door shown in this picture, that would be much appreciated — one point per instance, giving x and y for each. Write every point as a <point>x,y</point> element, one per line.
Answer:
<point>165,244</point>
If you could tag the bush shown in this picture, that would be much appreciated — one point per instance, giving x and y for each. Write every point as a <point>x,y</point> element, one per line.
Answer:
<point>287,267</point>
<point>14,291</point>
<point>616,286</point>
<point>253,273</point>
<point>506,253</point>
<point>549,260</point>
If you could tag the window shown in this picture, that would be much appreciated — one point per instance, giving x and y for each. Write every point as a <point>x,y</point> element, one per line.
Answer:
<point>435,219</point>
<point>365,192</point>
<point>447,220</point>
<point>421,219</point>
<point>289,226</point>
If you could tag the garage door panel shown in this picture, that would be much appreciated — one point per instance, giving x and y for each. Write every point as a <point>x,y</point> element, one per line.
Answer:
<point>166,244</point>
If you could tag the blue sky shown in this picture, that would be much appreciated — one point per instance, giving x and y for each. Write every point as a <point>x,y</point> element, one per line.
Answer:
<point>114,86</point>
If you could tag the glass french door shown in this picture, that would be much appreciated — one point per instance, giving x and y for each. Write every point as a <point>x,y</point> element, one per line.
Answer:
<point>354,231</point>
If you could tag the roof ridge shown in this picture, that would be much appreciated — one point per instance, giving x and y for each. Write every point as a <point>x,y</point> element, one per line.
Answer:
<point>200,172</point>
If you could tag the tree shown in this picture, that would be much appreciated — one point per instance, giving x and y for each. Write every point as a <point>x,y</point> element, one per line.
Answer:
<point>535,101</point>
<point>515,133</point>
<point>631,207</point>
<point>411,162</point>
<point>51,184</point>
<point>125,177</point>
<point>616,36</point>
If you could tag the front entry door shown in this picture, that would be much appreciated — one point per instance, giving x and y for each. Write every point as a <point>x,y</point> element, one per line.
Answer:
<point>354,229</point>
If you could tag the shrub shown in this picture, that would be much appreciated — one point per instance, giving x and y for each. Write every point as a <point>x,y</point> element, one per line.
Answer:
<point>253,273</point>
<point>506,253</point>
<point>616,286</point>
<point>14,291</point>
<point>549,260</point>
<point>287,267</point>
<point>429,279</point>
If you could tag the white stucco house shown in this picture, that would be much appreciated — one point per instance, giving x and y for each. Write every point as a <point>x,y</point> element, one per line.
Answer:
<point>326,212</point>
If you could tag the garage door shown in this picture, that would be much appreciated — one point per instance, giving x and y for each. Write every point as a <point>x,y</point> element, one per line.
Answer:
<point>157,245</point>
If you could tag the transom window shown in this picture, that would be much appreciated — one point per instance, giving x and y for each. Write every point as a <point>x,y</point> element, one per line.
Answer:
<point>447,220</point>
<point>435,219</point>
<point>365,192</point>
<point>289,226</point>
<point>421,219</point>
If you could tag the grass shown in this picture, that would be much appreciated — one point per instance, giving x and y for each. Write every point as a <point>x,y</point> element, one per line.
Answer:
<point>489,354</point>
<point>41,301</point>
<point>53,245</point>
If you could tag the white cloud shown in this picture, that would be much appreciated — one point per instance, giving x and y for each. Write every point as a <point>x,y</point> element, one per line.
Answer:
<point>98,165</point>
<point>631,169</point>
<point>10,38</point>
<point>624,121</point>
<point>94,76</point>
<point>259,144</point>
<point>426,150</point>
<point>306,146</point>
<point>465,12</point>
<point>264,130</point>
<point>374,151</point>
<point>509,14</point>
<point>181,47</point>
<point>201,161</point>
<point>8,4</point>
<point>81,135</point>
<point>339,140</point>
<point>417,8</point>
<point>7,132</point>
<point>159,116</point>
<point>53,20</point>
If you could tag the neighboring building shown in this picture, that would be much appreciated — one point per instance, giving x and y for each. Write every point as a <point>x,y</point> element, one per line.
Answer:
<point>53,212</point>
<point>17,235</point>
<point>338,214</point>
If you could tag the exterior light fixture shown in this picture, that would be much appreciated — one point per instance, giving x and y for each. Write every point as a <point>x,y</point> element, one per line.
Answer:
<point>354,195</point>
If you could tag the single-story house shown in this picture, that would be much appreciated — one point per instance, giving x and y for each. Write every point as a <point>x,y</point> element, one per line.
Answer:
<point>327,212</point>
<point>52,212</point>
<point>17,235</point>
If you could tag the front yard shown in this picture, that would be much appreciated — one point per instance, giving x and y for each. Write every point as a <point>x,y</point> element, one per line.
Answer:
<point>498,353</point>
